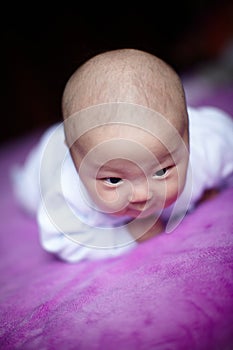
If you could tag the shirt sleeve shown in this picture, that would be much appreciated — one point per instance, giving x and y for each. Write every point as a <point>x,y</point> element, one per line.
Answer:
<point>25,177</point>
<point>210,163</point>
<point>65,235</point>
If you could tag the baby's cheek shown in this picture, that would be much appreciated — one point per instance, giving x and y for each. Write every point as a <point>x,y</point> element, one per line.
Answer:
<point>107,196</point>
<point>172,195</point>
<point>111,200</point>
<point>171,192</point>
<point>175,185</point>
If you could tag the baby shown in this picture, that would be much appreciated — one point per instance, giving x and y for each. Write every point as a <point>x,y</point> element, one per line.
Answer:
<point>128,161</point>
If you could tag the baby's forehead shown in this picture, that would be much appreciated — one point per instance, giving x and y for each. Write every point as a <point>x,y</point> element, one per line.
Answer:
<point>118,137</point>
<point>114,142</point>
<point>120,141</point>
<point>120,120</point>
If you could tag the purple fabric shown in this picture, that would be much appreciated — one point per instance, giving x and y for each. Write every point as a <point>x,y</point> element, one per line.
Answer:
<point>172,292</point>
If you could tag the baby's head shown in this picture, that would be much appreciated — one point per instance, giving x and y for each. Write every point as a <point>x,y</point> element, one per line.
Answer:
<point>126,126</point>
<point>126,75</point>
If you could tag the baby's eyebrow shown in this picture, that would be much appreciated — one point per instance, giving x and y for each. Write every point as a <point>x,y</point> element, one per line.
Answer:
<point>116,170</point>
<point>161,155</point>
<point>162,158</point>
<point>110,168</point>
<point>107,168</point>
<point>165,153</point>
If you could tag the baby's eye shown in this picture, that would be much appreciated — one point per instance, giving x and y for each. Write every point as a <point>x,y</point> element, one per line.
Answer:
<point>112,180</point>
<point>161,172</point>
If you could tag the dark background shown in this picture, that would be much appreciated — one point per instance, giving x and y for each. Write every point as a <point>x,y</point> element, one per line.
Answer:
<point>42,46</point>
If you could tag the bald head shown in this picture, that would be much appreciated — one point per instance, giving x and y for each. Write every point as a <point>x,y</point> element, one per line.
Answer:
<point>125,75</point>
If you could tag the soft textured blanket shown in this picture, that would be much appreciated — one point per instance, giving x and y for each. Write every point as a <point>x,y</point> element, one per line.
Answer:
<point>172,292</point>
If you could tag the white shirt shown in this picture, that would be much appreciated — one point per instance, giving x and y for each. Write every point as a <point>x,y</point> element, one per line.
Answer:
<point>49,186</point>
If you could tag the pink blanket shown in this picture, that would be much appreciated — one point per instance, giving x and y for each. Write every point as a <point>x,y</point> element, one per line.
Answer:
<point>172,292</point>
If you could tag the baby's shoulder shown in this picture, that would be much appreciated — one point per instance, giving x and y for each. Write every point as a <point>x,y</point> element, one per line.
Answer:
<point>211,144</point>
<point>209,114</point>
<point>209,121</point>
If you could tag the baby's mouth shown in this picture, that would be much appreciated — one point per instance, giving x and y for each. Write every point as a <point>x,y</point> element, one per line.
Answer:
<point>140,207</point>
<point>142,210</point>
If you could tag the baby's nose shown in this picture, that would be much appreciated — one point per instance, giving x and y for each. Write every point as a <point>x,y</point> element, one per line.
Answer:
<point>140,193</point>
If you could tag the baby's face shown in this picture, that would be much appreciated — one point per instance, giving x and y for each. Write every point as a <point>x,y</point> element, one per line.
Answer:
<point>128,171</point>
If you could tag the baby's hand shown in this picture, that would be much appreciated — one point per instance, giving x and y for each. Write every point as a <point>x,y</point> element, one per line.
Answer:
<point>144,229</point>
<point>208,194</point>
